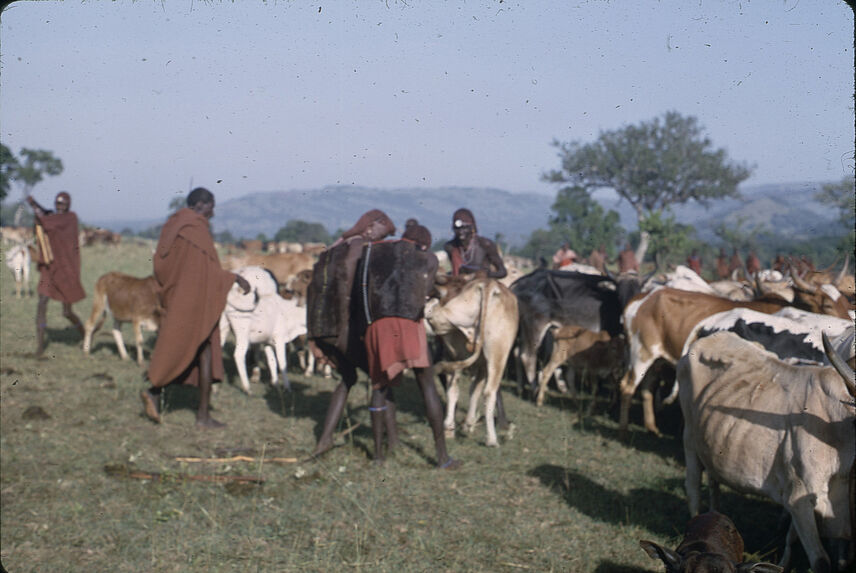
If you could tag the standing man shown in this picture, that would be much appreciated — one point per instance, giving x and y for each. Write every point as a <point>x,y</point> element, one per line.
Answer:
<point>564,256</point>
<point>470,253</point>
<point>59,263</point>
<point>753,264</point>
<point>597,259</point>
<point>193,288</point>
<point>627,262</point>
<point>332,312</point>
<point>735,264</point>
<point>694,262</point>
<point>722,265</point>
<point>399,275</point>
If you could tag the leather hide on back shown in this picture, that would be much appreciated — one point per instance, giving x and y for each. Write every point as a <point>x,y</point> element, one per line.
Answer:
<point>393,279</point>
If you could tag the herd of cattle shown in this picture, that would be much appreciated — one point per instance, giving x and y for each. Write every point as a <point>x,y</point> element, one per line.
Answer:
<point>764,368</point>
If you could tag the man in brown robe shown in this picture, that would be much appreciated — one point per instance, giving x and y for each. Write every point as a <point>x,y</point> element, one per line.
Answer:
<point>193,288</point>
<point>627,262</point>
<point>58,263</point>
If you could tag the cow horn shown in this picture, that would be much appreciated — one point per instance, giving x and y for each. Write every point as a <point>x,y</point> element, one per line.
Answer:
<point>832,266</point>
<point>840,365</point>
<point>802,284</point>
<point>843,272</point>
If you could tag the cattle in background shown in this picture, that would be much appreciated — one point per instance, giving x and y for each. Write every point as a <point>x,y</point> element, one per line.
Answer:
<point>765,427</point>
<point>18,260</point>
<point>284,266</point>
<point>594,354</point>
<point>251,245</point>
<point>261,316</point>
<point>477,323</point>
<point>98,236</point>
<point>711,544</point>
<point>127,299</point>
<point>548,299</point>
<point>658,325</point>
<point>16,235</point>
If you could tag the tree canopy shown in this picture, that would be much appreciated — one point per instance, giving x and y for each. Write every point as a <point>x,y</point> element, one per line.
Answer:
<point>302,232</point>
<point>8,166</point>
<point>652,165</point>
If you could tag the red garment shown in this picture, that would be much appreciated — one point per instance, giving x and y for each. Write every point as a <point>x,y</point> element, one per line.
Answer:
<point>60,280</point>
<point>393,344</point>
<point>193,289</point>
<point>695,264</point>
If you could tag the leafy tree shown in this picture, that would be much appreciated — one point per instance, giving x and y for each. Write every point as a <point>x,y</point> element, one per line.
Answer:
<point>297,231</point>
<point>653,165</point>
<point>176,204</point>
<point>225,238</point>
<point>8,166</point>
<point>582,222</point>
<point>842,196</point>
<point>542,244</point>
<point>669,239</point>
<point>33,166</point>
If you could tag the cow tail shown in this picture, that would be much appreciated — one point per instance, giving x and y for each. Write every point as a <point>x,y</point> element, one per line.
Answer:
<point>446,366</point>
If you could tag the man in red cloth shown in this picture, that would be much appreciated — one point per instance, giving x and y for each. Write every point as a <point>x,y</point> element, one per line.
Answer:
<point>59,263</point>
<point>694,262</point>
<point>627,262</point>
<point>193,288</point>
<point>470,253</point>
<point>400,278</point>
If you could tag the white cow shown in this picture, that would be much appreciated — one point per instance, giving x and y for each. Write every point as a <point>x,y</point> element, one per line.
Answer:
<point>18,261</point>
<point>261,317</point>
<point>762,426</point>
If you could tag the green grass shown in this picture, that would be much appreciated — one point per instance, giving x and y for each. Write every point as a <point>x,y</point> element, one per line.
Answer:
<point>555,497</point>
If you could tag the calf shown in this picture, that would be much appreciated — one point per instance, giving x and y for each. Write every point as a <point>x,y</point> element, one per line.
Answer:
<point>261,317</point>
<point>480,320</point>
<point>128,299</point>
<point>18,260</point>
<point>593,353</point>
<point>711,544</point>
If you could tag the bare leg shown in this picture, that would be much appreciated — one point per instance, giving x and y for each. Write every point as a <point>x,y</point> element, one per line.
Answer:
<point>378,416</point>
<point>151,399</point>
<point>72,318</point>
<point>203,416</point>
<point>434,411</point>
<point>392,440</point>
<point>331,420</point>
<point>41,324</point>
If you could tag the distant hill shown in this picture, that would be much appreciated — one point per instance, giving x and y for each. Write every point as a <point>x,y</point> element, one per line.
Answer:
<point>785,209</point>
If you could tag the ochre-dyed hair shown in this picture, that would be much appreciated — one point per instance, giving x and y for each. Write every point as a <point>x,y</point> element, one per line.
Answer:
<point>466,217</point>
<point>367,219</point>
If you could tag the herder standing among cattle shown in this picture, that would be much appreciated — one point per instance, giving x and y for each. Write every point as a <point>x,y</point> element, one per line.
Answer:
<point>627,262</point>
<point>330,306</point>
<point>59,263</point>
<point>193,288</point>
<point>470,253</point>
<point>398,276</point>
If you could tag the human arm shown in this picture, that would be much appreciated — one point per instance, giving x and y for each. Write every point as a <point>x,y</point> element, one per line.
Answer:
<point>37,209</point>
<point>497,270</point>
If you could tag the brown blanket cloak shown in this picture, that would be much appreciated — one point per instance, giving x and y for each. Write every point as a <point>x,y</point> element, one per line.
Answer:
<point>193,289</point>
<point>60,280</point>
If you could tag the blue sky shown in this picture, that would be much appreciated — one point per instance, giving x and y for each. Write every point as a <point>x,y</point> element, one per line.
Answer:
<point>139,98</point>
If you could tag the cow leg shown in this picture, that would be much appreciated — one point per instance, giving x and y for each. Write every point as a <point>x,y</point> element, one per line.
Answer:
<point>627,388</point>
<point>451,404</point>
<point>138,337</point>
<point>556,360</point>
<point>692,482</point>
<point>476,389</point>
<point>270,356</point>
<point>240,356</point>
<point>648,408</point>
<point>501,419</point>
<point>282,360</point>
<point>490,395</point>
<point>787,553</point>
<point>802,516</point>
<point>94,321</point>
<point>117,337</point>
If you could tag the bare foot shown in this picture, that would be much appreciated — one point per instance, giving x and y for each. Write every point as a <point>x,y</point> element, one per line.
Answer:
<point>150,405</point>
<point>321,448</point>
<point>450,464</point>
<point>209,424</point>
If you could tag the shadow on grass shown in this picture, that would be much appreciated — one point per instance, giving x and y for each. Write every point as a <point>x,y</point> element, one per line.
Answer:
<point>613,567</point>
<point>757,519</point>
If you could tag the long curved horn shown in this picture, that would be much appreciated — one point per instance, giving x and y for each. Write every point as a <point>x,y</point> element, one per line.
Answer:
<point>802,284</point>
<point>832,266</point>
<point>840,365</point>
<point>843,272</point>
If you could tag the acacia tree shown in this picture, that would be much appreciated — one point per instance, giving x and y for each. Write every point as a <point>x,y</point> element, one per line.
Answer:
<point>653,165</point>
<point>582,221</point>
<point>8,165</point>
<point>28,170</point>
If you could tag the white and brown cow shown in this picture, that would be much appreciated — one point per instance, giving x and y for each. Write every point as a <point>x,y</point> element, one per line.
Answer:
<point>478,325</point>
<point>128,299</point>
<point>765,427</point>
<point>284,266</point>
<point>658,325</point>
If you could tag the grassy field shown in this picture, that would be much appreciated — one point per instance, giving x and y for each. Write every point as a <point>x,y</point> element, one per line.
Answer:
<point>557,496</point>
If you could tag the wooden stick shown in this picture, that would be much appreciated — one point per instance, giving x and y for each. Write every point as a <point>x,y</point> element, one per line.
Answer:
<point>159,477</point>
<point>237,459</point>
<point>344,433</point>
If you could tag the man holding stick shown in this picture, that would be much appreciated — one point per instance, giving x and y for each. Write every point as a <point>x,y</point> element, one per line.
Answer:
<point>58,263</point>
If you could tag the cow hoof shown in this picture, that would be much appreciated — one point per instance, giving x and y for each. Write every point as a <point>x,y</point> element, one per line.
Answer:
<point>450,433</point>
<point>492,443</point>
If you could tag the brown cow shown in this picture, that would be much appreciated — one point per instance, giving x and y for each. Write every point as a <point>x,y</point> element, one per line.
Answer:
<point>284,266</point>
<point>592,353</point>
<point>711,544</point>
<point>128,299</point>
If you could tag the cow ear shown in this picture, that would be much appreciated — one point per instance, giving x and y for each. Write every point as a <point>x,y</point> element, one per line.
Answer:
<point>666,555</point>
<point>758,568</point>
